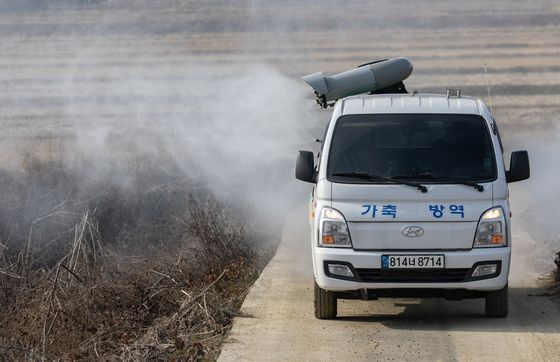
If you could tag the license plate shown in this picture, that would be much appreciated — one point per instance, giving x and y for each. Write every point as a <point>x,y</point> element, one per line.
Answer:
<point>412,262</point>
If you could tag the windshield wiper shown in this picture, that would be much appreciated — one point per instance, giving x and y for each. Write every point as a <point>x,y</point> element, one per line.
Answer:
<point>427,175</point>
<point>367,176</point>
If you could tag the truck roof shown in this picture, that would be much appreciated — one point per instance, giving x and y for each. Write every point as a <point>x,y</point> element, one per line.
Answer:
<point>410,103</point>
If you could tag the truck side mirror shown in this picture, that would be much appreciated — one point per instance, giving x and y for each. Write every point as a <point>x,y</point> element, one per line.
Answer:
<point>518,167</point>
<point>305,168</point>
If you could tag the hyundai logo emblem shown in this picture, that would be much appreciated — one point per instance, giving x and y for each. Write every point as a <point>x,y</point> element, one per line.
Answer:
<point>412,231</point>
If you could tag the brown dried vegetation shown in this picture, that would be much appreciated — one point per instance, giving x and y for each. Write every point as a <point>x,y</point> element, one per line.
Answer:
<point>138,273</point>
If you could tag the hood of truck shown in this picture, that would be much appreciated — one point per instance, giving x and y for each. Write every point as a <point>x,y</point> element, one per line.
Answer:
<point>400,217</point>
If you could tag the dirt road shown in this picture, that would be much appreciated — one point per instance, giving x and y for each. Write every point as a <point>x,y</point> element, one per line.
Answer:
<point>278,322</point>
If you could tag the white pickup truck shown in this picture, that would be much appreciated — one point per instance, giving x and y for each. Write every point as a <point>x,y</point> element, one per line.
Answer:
<point>410,199</point>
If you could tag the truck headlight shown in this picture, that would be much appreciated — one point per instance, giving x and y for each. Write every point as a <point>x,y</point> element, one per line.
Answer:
<point>333,231</point>
<point>491,229</point>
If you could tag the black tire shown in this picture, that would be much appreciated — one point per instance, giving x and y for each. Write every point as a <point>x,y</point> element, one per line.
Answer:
<point>325,303</point>
<point>497,303</point>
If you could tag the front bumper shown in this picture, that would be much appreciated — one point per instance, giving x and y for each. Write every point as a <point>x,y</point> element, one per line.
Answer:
<point>371,261</point>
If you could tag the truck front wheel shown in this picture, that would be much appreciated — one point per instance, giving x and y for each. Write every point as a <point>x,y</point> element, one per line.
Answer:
<point>497,303</point>
<point>325,303</point>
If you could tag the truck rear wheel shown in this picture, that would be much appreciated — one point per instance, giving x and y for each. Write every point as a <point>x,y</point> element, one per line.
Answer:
<point>325,303</point>
<point>497,303</point>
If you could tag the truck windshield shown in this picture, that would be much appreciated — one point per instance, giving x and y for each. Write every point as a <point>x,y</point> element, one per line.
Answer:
<point>428,148</point>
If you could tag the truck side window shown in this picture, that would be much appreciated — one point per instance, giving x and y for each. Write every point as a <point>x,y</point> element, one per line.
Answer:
<point>495,126</point>
<point>322,144</point>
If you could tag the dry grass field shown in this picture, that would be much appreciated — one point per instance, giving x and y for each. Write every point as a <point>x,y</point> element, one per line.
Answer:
<point>142,139</point>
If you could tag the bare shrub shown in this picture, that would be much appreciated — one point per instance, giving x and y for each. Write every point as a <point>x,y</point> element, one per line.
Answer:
<point>155,271</point>
<point>224,235</point>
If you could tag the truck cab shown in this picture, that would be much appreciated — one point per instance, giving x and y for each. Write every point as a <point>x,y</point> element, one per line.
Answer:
<point>410,199</point>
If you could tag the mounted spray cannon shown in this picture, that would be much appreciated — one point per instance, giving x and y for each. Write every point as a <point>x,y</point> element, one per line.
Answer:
<point>383,76</point>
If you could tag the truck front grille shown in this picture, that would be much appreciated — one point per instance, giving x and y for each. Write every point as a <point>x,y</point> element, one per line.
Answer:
<point>414,276</point>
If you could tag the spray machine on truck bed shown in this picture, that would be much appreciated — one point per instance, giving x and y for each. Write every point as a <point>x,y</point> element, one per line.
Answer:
<point>410,193</point>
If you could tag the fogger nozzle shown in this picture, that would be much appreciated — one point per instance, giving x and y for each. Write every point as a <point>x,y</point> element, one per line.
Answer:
<point>366,78</point>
